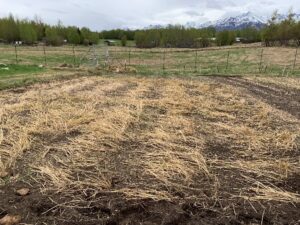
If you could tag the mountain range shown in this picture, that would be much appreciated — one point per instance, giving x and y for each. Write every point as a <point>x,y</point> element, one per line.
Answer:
<point>241,21</point>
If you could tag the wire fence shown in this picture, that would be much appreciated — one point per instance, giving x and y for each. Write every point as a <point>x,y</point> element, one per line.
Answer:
<point>231,60</point>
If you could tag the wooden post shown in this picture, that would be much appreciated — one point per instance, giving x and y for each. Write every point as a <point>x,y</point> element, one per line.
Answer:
<point>196,61</point>
<point>16,53</point>
<point>261,60</point>
<point>295,60</point>
<point>125,60</point>
<point>137,57</point>
<point>164,60</point>
<point>129,56</point>
<point>283,71</point>
<point>227,63</point>
<point>74,56</point>
<point>140,58</point>
<point>45,56</point>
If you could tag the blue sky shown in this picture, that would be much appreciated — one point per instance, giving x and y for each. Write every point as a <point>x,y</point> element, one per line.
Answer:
<point>103,14</point>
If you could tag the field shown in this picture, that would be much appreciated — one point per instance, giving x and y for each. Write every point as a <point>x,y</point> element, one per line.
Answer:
<point>25,65</point>
<point>127,149</point>
<point>235,60</point>
<point>111,135</point>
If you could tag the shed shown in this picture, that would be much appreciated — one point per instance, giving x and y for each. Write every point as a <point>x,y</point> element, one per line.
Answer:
<point>110,42</point>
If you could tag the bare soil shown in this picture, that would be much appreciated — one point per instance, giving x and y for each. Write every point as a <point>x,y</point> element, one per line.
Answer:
<point>286,99</point>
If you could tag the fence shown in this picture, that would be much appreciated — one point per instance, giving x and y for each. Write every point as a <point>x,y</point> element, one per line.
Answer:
<point>234,60</point>
<point>43,55</point>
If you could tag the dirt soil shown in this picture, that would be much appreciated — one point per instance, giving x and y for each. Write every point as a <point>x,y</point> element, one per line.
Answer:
<point>286,99</point>
<point>128,150</point>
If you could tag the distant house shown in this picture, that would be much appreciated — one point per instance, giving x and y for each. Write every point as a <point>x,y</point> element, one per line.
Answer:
<point>241,40</point>
<point>238,39</point>
<point>110,42</point>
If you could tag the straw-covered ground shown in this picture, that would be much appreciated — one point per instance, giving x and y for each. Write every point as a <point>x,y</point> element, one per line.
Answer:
<point>129,150</point>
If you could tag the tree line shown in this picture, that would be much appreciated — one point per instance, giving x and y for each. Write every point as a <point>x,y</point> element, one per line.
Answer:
<point>181,37</point>
<point>173,36</point>
<point>118,34</point>
<point>284,33</point>
<point>33,31</point>
<point>276,32</point>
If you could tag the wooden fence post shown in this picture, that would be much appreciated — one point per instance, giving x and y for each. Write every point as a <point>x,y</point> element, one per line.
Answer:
<point>164,60</point>
<point>74,56</point>
<point>261,60</point>
<point>125,62</point>
<point>227,63</point>
<point>129,57</point>
<point>16,53</point>
<point>295,60</point>
<point>45,56</point>
<point>196,61</point>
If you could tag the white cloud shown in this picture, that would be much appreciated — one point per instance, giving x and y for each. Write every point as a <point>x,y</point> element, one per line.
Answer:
<point>103,14</point>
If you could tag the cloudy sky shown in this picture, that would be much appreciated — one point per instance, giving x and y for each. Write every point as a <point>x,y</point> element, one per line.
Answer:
<point>107,14</point>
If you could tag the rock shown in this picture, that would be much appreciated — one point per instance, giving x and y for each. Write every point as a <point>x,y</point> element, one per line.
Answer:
<point>41,66</point>
<point>10,220</point>
<point>64,65</point>
<point>23,192</point>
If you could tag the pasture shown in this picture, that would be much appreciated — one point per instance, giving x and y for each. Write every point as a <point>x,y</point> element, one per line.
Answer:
<point>110,145</point>
<point>234,60</point>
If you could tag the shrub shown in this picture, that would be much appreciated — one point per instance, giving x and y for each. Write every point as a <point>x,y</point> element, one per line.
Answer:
<point>52,37</point>
<point>124,40</point>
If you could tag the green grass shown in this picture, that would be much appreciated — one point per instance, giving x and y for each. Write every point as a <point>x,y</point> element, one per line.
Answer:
<point>18,75</point>
<point>14,69</point>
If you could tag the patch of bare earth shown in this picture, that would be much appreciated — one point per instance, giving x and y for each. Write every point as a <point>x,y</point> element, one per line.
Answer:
<point>282,97</point>
<point>127,150</point>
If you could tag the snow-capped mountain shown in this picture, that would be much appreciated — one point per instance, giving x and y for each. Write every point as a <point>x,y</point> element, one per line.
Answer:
<point>238,22</point>
<point>242,21</point>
